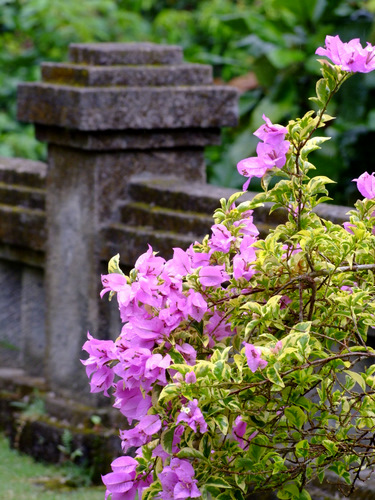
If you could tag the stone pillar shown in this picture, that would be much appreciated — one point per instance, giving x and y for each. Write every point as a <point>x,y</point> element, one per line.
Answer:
<point>113,111</point>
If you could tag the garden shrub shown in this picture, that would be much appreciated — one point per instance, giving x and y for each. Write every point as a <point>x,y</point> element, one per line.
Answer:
<point>239,366</point>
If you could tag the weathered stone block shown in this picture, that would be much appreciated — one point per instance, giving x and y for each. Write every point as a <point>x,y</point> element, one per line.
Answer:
<point>127,108</point>
<point>109,54</point>
<point>113,170</point>
<point>22,227</point>
<point>33,321</point>
<point>170,192</point>
<point>72,269</point>
<point>110,140</point>
<point>22,196</point>
<point>127,76</point>
<point>11,345</point>
<point>19,171</point>
<point>130,242</point>
<point>142,213</point>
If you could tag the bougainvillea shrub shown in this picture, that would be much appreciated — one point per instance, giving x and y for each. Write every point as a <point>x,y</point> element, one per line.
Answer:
<point>242,362</point>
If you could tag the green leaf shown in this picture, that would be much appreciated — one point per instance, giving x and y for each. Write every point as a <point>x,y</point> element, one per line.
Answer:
<point>317,184</point>
<point>304,326</point>
<point>288,491</point>
<point>322,90</point>
<point>329,72</point>
<point>304,495</point>
<point>225,496</point>
<point>219,370</point>
<point>169,392</point>
<point>330,446</point>
<point>357,377</point>
<point>166,440</point>
<point>114,265</point>
<point>232,199</point>
<point>181,368</point>
<point>205,445</point>
<point>320,476</point>
<point>302,448</point>
<point>295,416</point>
<point>274,376</point>
<point>202,368</point>
<point>312,145</point>
<point>257,447</point>
<point>191,453</point>
<point>222,422</point>
<point>177,357</point>
<point>218,482</point>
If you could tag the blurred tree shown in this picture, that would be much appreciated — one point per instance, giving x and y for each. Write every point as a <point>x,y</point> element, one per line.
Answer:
<point>264,47</point>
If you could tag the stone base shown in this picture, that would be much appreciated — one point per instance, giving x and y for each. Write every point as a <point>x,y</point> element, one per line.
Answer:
<point>40,424</point>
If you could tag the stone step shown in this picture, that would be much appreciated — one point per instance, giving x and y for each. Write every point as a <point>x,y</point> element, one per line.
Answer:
<point>22,227</point>
<point>171,193</point>
<point>176,194</point>
<point>21,172</point>
<point>145,215</point>
<point>130,242</point>
<point>109,54</point>
<point>22,196</point>
<point>127,76</point>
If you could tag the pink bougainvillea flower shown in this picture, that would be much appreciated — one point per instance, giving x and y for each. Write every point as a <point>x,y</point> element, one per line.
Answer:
<point>138,367</point>
<point>180,264</point>
<point>218,326</point>
<point>197,258</point>
<point>188,352</point>
<point>253,355</point>
<point>270,153</point>
<point>122,484</point>
<point>221,238</point>
<point>273,155</point>
<point>270,133</point>
<point>351,56</point>
<point>177,481</point>
<point>213,275</point>
<point>238,430</point>
<point>246,224</point>
<point>113,282</point>
<point>347,226</point>
<point>196,306</point>
<point>190,378</point>
<point>285,301</point>
<point>192,415</point>
<point>131,402</point>
<point>278,347</point>
<point>101,352</point>
<point>366,185</point>
<point>141,433</point>
<point>149,264</point>
<point>251,167</point>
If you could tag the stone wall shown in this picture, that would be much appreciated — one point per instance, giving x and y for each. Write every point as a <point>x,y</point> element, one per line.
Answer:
<point>126,126</point>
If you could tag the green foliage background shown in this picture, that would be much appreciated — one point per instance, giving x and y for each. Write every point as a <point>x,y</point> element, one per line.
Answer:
<point>271,40</point>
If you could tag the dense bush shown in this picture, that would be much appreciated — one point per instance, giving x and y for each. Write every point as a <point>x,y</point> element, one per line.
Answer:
<point>268,44</point>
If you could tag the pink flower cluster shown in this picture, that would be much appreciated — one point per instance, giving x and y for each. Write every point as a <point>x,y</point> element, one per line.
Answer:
<point>366,185</point>
<point>177,481</point>
<point>270,153</point>
<point>123,482</point>
<point>351,56</point>
<point>156,306</point>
